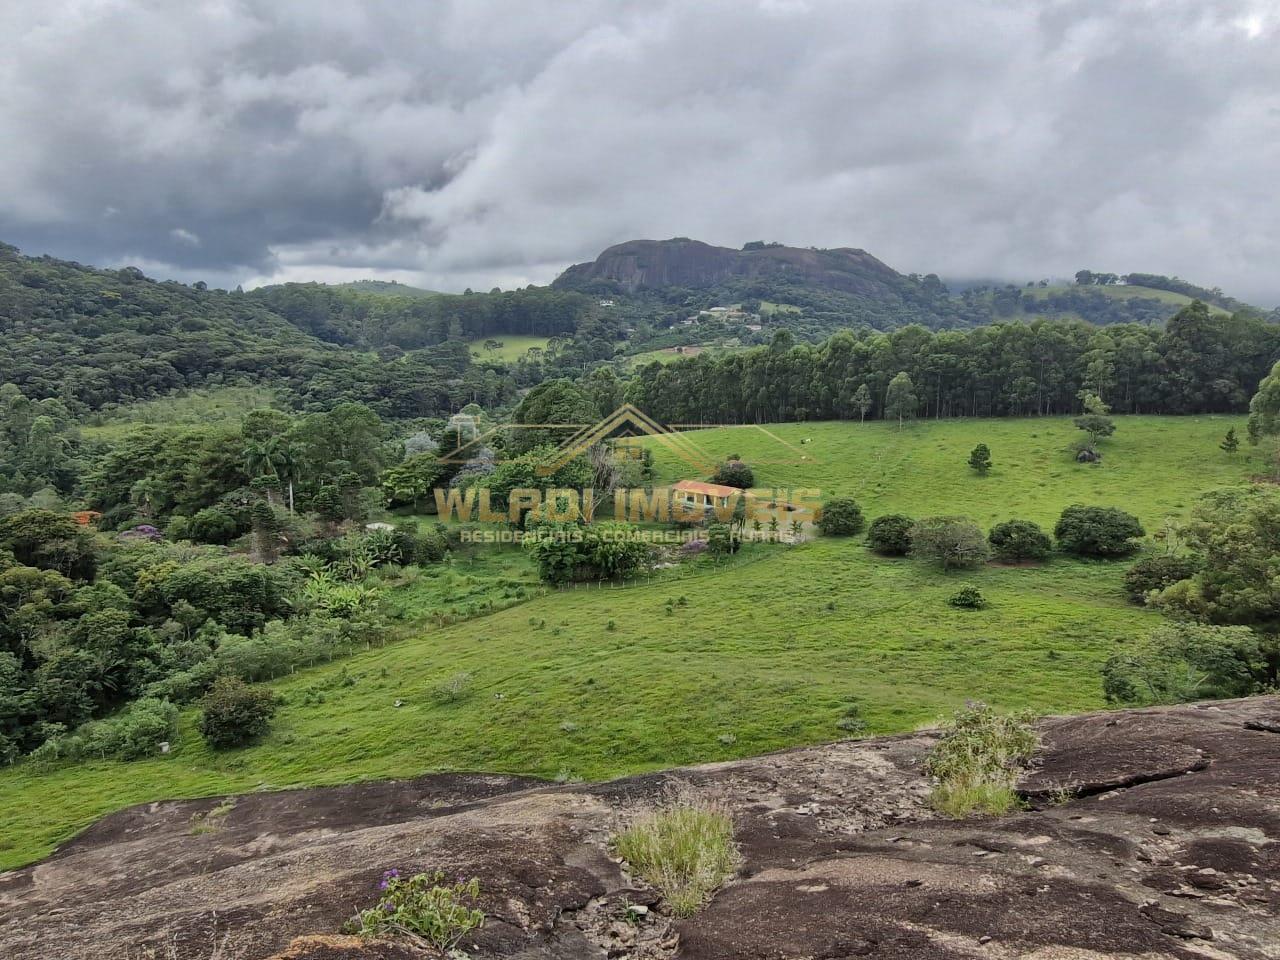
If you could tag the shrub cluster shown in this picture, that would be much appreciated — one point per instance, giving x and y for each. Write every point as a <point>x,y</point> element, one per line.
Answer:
<point>734,473</point>
<point>890,535</point>
<point>957,542</point>
<point>600,551</point>
<point>1155,574</point>
<point>1019,541</point>
<point>968,598</point>
<point>234,713</point>
<point>1097,531</point>
<point>950,542</point>
<point>135,732</point>
<point>840,517</point>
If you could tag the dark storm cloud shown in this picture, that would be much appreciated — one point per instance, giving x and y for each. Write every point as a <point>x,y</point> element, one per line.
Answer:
<point>483,142</point>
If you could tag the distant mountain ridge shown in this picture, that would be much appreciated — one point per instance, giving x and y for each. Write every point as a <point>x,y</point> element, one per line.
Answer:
<point>832,289</point>
<point>681,262</point>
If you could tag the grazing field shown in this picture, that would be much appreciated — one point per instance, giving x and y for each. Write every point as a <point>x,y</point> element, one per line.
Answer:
<point>1152,467</point>
<point>773,649</point>
<point>1125,292</point>
<point>513,346</point>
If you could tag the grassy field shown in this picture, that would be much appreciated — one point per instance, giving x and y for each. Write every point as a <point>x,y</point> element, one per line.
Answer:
<point>766,652</point>
<point>1152,467</point>
<point>1126,292</point>
<point>514,346</point>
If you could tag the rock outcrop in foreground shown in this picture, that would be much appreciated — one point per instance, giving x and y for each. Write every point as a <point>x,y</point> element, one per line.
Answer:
<point>1152,834</point>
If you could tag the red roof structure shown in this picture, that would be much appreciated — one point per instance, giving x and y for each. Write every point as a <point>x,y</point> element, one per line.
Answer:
<point>706,489</point>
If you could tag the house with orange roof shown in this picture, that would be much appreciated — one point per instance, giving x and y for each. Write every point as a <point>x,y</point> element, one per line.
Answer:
<point>695,493</point>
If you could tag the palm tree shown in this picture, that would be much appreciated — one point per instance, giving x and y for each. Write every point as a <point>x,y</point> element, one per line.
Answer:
<point>275,457</point>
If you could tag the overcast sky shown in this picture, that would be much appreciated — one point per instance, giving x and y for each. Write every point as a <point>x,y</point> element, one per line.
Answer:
<point>493,142</point>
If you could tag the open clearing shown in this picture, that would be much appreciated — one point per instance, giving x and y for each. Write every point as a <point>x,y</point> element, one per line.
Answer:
<point>767,651</point>
<point>513,346</point>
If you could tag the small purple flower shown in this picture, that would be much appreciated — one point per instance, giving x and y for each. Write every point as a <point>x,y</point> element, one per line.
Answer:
<point>389,907</point>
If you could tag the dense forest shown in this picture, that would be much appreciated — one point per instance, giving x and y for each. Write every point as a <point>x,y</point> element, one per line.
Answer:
<point>94,338</point>
<point>352,317</point>
<point>1197,363</point>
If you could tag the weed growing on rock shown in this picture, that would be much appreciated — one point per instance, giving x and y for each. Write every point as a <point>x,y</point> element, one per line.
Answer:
<point>423,909</point>
<point>686,852</point>
<point>977,762</point>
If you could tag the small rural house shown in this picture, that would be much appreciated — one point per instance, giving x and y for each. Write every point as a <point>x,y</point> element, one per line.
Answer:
<point>695,493</point>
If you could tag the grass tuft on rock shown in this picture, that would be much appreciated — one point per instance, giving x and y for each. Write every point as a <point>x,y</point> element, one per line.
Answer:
<point>686,852</point>
<point>977,763</point>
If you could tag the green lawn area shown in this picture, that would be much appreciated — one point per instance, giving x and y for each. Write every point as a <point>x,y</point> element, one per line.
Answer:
<point>514,346</point>
<point>766,652</point>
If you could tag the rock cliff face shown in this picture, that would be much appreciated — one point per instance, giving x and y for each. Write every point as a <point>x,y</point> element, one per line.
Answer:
<point>645,264</point>
<point>1152,834</point>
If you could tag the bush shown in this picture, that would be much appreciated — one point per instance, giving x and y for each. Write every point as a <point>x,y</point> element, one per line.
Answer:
<point>968,598</point>
<point>565,552</point>
<point>686,852</point>
<point>423,907</point>
<point>734,473</point>
<point>212,525</point>
<point>950,542</point>
<point>1097,531</point>
<point>420,548</point>
<point>1187,661</point>
<point>1018,541</point>
<point>840,518</point>
<point>1156,573</point>
<point>234,713</point>
<point>977,763</point>
<point>890,535</point>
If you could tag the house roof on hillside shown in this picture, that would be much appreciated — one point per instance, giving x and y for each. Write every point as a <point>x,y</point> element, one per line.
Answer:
<point>707,489</point>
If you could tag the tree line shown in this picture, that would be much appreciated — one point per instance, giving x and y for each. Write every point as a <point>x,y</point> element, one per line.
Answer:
<point>1198,363</point>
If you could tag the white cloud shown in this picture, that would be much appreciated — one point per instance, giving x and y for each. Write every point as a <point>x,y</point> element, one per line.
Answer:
<point>482,142</point>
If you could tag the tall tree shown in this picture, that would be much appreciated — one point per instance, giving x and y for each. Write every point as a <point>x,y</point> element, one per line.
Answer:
<point>900,398</point>
<point>862,401</point>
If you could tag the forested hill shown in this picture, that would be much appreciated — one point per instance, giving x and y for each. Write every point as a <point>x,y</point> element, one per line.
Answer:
<point>845,286</point>
<point>822,291</point>
<point>380,315</point>
<point>96,337</point>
